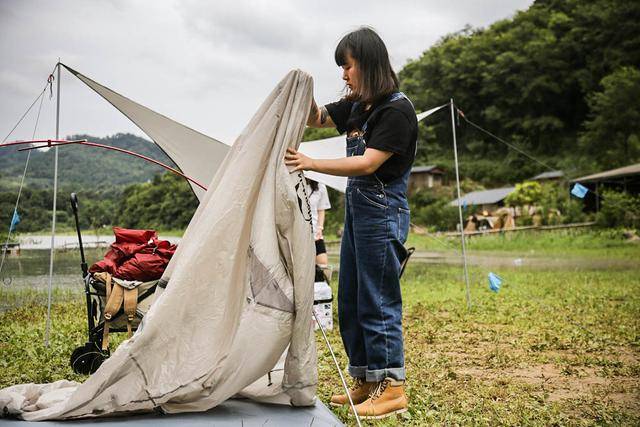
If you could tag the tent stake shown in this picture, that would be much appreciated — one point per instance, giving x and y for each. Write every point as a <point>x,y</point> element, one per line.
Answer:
<point>344,383</point>
<point>464,250</point>
<point>53,215</point>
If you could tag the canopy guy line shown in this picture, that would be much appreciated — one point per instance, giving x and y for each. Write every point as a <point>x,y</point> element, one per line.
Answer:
<point>335,361</point>
<point>519,150</point>
<point>24,173</point>
<point>49,85</point>
<point>481,129</point>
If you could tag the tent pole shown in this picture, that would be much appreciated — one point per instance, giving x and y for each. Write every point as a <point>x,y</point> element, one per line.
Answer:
<point>464,249</point>
<point>344,383</point>
<point>53,215</point>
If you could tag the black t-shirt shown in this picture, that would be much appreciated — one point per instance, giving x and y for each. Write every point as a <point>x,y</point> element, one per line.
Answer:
<point>391,127</point>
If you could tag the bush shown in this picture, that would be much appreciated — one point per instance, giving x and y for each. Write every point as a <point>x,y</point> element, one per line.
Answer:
<point>619,210</point>
<point>527,193</point>
<point>431,208</point>
<point>438,216</point>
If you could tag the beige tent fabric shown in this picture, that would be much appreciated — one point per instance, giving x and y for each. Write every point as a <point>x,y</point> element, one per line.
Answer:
<point>239,293</point>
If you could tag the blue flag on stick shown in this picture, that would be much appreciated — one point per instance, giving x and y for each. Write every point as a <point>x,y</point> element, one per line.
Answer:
<point>579,190</point>
<point>14,221</point>
<point>494,282</point>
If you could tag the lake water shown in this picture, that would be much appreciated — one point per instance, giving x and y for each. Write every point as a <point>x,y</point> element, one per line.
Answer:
<point>25,277</point>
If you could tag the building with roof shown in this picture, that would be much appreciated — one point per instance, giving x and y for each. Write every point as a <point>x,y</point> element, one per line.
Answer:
<point>425,177</point>
<point>625,179</point>
<point>488,200</point>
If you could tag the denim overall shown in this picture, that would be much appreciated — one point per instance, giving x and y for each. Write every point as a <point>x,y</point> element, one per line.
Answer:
<point>369,301</point>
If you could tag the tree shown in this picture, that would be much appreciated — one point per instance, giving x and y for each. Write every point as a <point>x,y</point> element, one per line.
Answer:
<point>527,193</point>
<point>612,131</point>
<point>527,79</point>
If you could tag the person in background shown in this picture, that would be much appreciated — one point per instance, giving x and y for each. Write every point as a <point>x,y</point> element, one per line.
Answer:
<point>319,201</point>
<point>382,130</point>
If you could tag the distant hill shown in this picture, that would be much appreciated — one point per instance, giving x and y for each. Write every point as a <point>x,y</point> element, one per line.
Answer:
<point>86,168</point>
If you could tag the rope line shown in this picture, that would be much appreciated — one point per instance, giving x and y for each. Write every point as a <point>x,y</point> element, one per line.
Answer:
<point>335,361</point>
<point>24,173</point>
<point>49,85</point>
<point>519,150</point>
<point>25,113</point>
<point>460,113</point>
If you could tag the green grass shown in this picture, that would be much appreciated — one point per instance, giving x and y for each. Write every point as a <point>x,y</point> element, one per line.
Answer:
<point>557,346</point>
<point>551,348</point>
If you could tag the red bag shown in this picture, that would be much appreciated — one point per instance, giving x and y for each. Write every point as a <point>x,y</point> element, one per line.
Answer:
<point>136,255</point>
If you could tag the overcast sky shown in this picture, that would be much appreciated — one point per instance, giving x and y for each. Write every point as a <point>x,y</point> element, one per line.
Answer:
<point>206,64</point>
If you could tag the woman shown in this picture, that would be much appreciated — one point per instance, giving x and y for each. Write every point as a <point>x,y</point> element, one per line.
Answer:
<point>319,203</point>
<point>381,128</point>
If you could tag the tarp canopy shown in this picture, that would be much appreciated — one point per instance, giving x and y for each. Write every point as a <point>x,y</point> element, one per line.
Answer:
<point>197,155</point>
<point>239,293</point>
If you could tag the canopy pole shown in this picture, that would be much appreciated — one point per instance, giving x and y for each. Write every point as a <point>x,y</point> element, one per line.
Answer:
<point>53,214</point>
<point>464,249</point>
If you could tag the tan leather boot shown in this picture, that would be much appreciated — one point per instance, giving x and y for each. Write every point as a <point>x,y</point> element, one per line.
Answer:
<point>386,399</point>
<point>359,391</point>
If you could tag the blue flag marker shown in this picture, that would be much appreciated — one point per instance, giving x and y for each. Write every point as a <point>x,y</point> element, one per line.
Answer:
<point>494,282</point>
<point>14,221</point>
<point>579,190</point>
<point>464,205</point>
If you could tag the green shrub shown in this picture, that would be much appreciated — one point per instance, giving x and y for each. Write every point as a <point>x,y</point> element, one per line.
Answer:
<point>527,193</point>
<point>433,211</point>
<point>619,210</point>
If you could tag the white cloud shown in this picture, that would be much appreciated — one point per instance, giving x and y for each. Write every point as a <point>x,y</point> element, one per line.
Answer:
<point>206,64</point>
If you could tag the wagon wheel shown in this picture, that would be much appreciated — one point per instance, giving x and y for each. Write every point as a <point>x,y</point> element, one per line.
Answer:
<point>87,358</point>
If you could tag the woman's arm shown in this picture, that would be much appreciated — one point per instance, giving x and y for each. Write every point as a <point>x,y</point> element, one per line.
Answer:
<point>320,226</point>
<point>347,166</point>
<point>319,117</point>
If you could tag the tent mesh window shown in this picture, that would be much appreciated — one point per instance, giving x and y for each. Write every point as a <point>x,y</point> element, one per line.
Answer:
<point>265,285</point>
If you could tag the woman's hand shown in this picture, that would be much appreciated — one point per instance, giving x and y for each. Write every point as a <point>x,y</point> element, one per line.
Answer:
<point>299,161</point>
<point>366,164</point>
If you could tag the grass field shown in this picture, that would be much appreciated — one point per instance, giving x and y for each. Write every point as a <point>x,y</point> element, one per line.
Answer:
<point>549,348</point>
<point>552,347</point>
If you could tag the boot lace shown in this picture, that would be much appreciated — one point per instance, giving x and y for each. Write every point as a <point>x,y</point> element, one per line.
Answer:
<point>380,388</point>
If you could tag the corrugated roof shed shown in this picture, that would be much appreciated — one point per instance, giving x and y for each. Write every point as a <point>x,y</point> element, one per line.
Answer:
<point>611,174</point>
<point>486,197</point>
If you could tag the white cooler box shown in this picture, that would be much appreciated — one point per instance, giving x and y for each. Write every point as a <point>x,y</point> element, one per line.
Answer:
<point>323,305</point>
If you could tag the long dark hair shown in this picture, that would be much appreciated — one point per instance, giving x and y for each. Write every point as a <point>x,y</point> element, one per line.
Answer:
<point>313,184</point>
<point>377,78</point>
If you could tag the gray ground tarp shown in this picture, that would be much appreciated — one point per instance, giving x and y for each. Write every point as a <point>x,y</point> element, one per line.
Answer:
<point>231,413</point>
